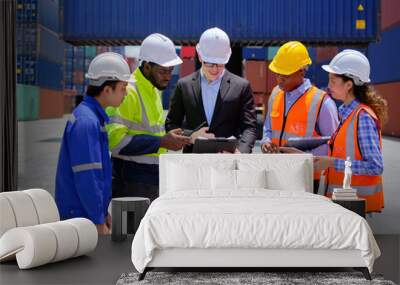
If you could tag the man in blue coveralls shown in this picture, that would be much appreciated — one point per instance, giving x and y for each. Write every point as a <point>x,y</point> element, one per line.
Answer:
<point>83,179</point>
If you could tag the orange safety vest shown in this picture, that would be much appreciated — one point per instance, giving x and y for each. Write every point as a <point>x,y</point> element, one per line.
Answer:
<point>345,144</point>
<point>301,119</point>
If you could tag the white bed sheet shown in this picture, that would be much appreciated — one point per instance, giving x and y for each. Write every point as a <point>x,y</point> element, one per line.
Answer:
<point>252,218</point>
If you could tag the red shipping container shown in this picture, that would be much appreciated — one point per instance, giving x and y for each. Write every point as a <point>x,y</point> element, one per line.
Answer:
<point>390,14</point>
<point>188,52</point>
<point>78,77</point>
<point>69,100</point>
<point>256,73</point>
<point>132,63</point>
<point>271,81</point>
<point>326,53</point>
<point>260,99</point>
<point>390,91</point>
<point>69,104</point>
<point>187,67</point>
<point>51,104</point>
<point>69,92</point>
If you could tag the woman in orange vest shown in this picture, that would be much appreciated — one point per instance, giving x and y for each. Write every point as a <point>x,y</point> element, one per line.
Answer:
<point>359,133</point>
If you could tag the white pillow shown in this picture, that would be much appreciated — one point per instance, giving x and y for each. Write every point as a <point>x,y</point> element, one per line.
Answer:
<point>292,178</point>
<point>185,177</point>
<point>190,174</point>
<point>223,179</point>
<point>251,178</point>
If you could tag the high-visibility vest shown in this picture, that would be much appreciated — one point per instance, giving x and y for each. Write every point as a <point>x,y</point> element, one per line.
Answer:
<point>141,113</point>
<point>345,144</point>
<point>301,119</point>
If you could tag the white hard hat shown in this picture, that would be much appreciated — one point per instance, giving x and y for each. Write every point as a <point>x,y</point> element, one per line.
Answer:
<point>108,66</point>
<point>214,46</point>
<point>350,63</point>
<point>159,49</point>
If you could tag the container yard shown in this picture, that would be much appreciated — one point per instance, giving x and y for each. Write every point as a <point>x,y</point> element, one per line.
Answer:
<point>50,81</point>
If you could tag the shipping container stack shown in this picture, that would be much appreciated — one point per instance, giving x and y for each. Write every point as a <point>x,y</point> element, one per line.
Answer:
<point>385,63</point>
<point>118,49</point>
<point>320,56</point>
<point>188,55</point>
<point>132,62</point>
<point>40,55</point>
<point>69,91</point>
<point>176,74</point>
<point>76,64</point>
<point>255,70</point>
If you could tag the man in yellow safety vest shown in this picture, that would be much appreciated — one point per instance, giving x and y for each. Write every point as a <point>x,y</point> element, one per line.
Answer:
<point>136,131</point>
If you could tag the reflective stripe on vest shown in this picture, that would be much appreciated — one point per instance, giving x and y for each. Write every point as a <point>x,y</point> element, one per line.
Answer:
<point>134,126</point>
<point>87,166</point>
<point>345,144</point>
<point>139,158</point>
<point>144,126</point>
<point>298,122</point>
<point>145,119</point>
<point>281,130</point>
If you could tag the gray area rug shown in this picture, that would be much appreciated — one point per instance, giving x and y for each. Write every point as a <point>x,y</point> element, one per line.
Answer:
<point>243,278</point>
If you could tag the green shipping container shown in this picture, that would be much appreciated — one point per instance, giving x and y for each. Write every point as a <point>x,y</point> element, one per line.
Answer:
<point>272,52</point>
<point>27,102</point>
<point>90,51</point>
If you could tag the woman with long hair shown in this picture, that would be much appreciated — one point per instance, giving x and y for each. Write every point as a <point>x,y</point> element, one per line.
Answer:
<point>358,136</point>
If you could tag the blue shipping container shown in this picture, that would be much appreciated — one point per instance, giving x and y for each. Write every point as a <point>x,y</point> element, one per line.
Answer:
<point>50,46</point>
<point>26,39</point>
<point>79,52</point>
<point>36,40</point>
<point>68,67</point>
<point>118,49</point>
<point>320,77</point>
<point>385,63</point>
<point>79,64</point>
<point>80,89</point>
<point>49,14</point>
<point>68,51</point>
<point>49,75</point>
<point>165,97</point>
<point>26,69</point>
<point>26,11</point>
<point>68,85</point>
<point>246,22</point>
<point>167,93</point>
<point>255,53</point>
<point>44,12</point>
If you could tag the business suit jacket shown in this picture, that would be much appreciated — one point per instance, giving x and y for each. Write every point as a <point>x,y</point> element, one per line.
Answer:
<point>234,113</point>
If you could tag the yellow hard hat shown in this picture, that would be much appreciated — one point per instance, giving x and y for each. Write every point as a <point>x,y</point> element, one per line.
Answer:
<point>290,58</point>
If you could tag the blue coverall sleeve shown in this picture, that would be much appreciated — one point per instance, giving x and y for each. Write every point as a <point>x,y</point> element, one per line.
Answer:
<point>85,151</point>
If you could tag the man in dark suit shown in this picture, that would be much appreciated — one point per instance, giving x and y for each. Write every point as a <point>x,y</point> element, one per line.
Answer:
<point>214,96</point>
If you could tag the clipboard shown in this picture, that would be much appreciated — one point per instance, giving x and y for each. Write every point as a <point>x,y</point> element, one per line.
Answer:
<point>306,143</point>
<point>215,145</point>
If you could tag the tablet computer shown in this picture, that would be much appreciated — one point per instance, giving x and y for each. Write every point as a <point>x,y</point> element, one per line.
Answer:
<point>306,143</point>
<point>214,145</point>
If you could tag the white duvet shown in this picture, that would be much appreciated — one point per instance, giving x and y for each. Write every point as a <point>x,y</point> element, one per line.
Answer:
<point>250,219</point>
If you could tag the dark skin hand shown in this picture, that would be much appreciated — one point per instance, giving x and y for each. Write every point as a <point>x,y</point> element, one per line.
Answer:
<point>174,140</point>
<point>269,147</point>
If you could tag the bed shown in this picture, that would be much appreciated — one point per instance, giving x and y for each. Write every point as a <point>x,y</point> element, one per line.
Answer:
<point>247,211</point>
